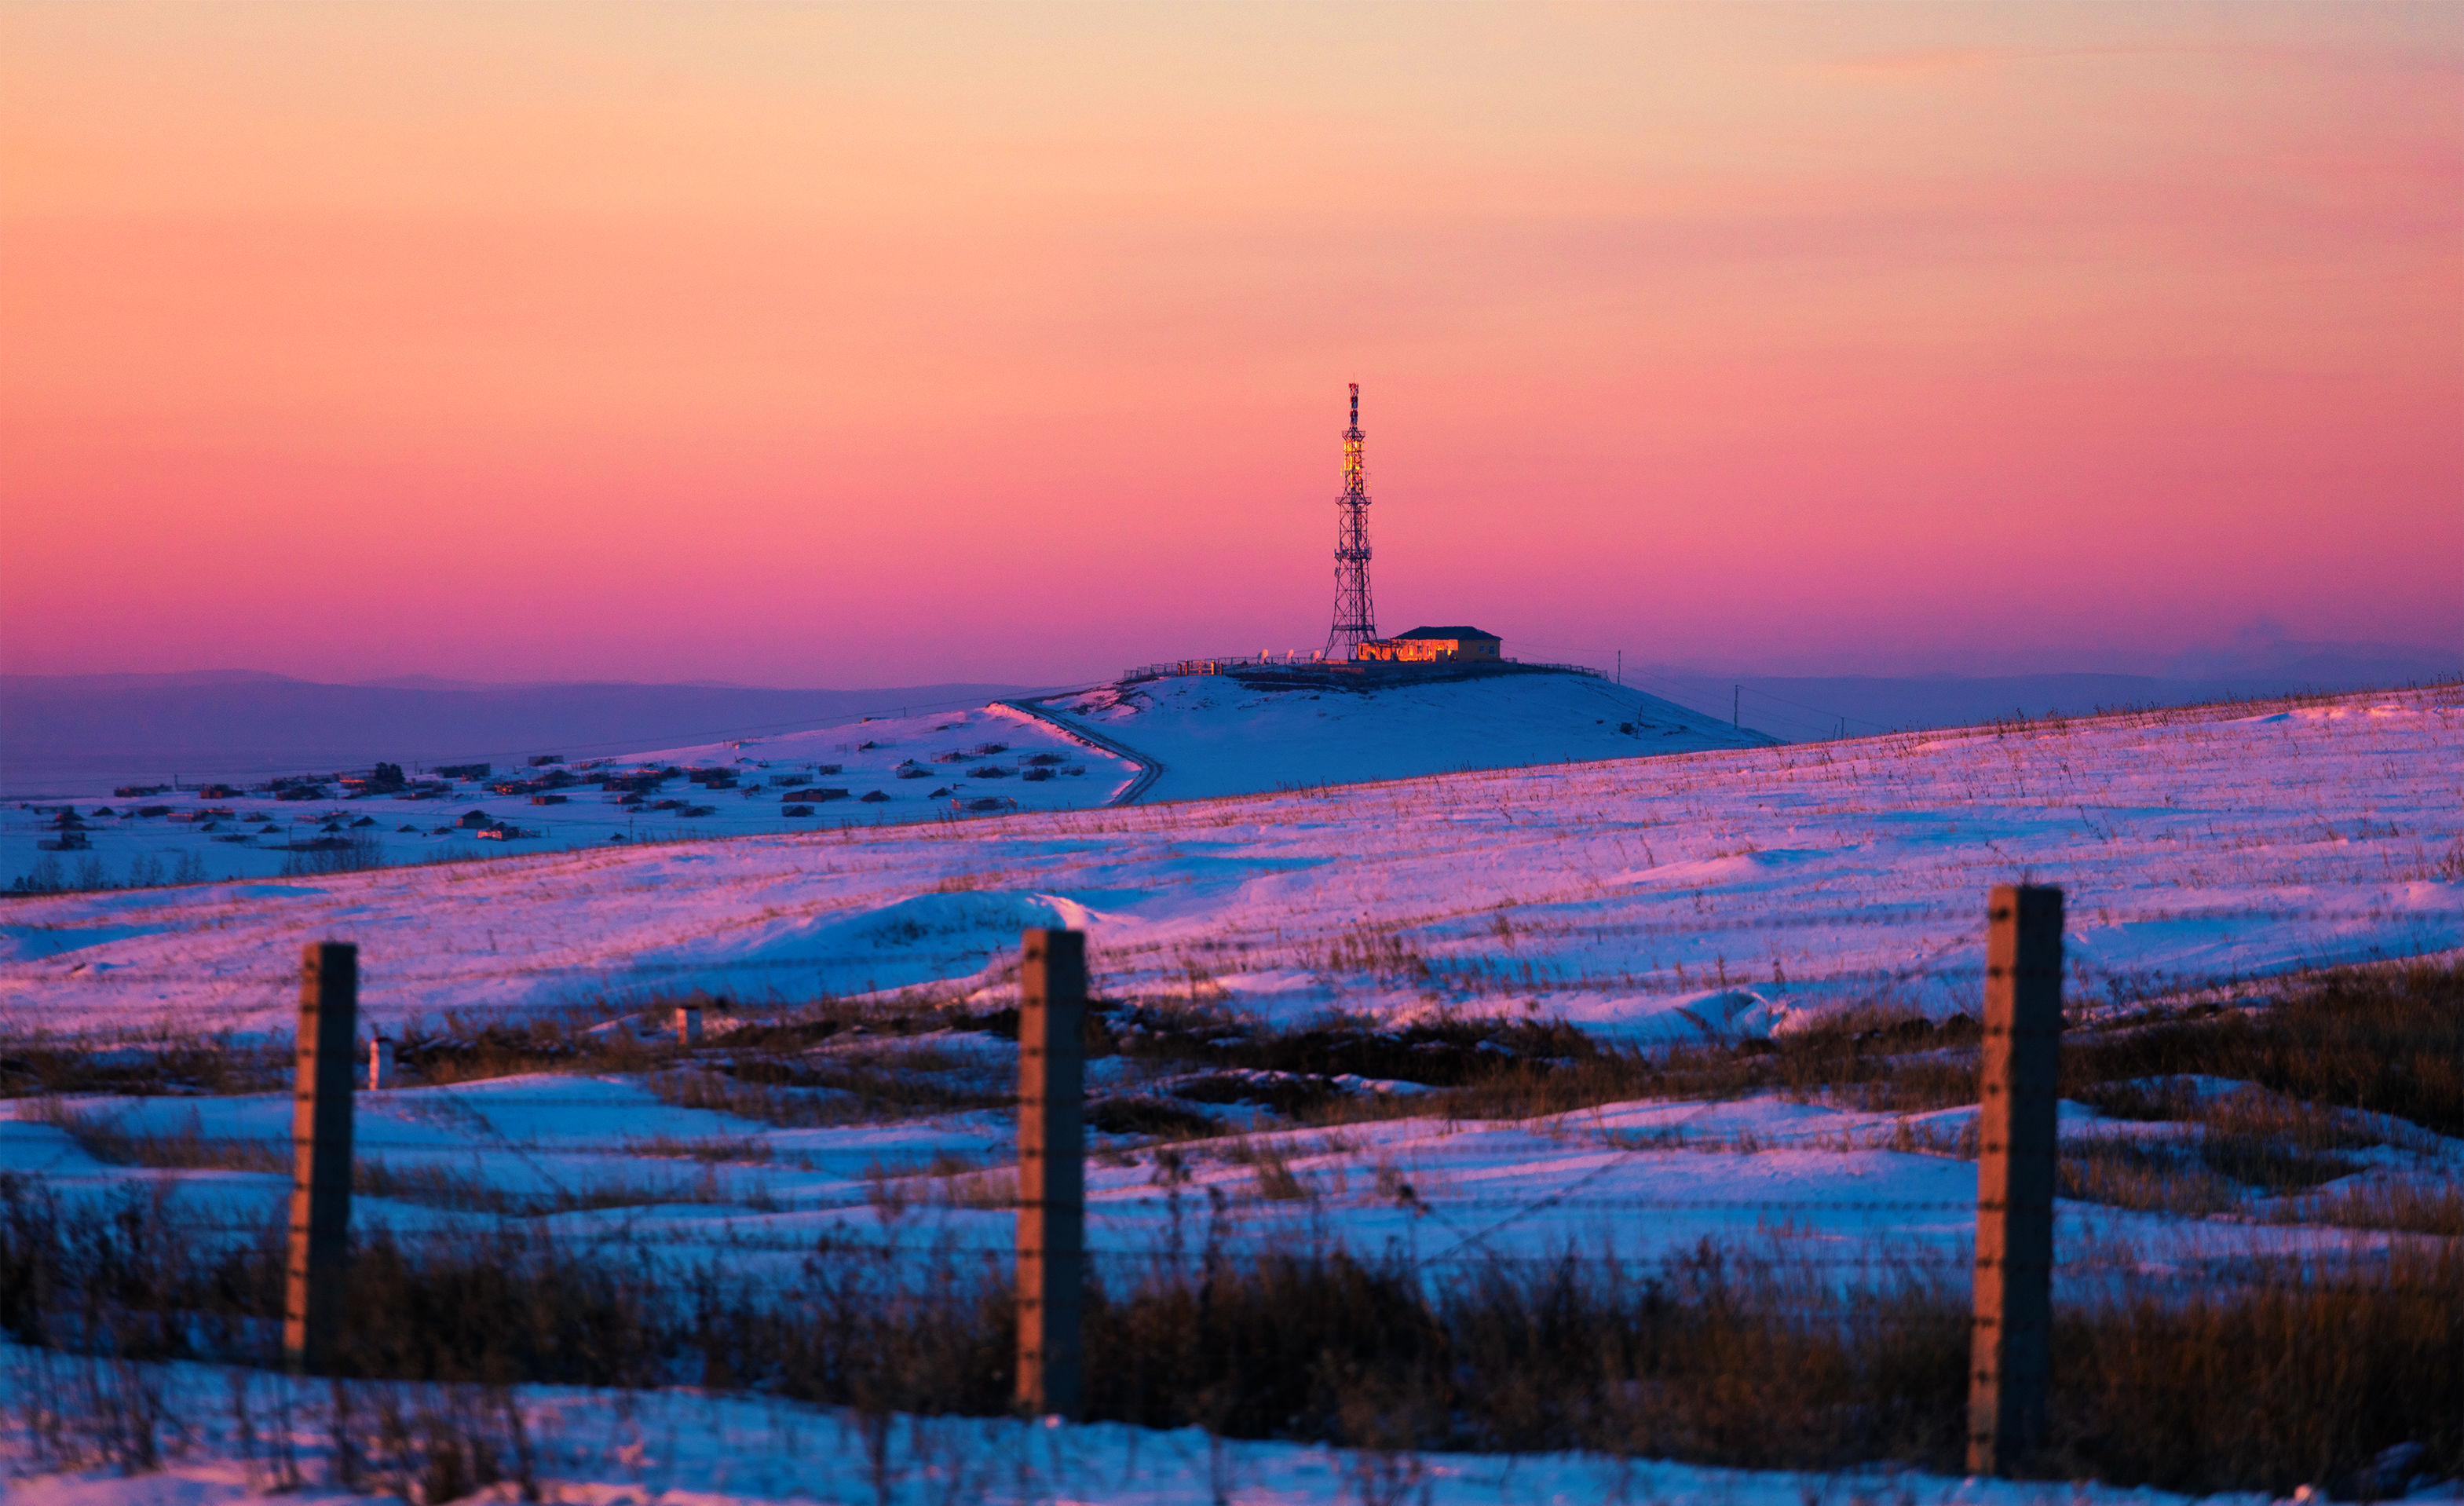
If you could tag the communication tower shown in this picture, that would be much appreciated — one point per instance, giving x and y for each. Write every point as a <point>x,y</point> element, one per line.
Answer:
<point>1355,619</point>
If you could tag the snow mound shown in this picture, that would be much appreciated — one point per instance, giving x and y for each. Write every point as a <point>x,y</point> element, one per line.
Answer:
<point>1231,734</point>
<point>920,938</point>
<point>33,942</point>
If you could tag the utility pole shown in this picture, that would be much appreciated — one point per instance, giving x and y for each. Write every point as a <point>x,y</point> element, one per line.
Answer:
<point>1737,707</point>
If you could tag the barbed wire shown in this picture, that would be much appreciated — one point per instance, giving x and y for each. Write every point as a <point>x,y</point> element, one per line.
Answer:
<point>1103,1204</point>
<point>652,1147</point>
<point>1519,976</point>
<point>374,977</point>
<point>901,1223</point>
<point>1542,971</point>
<point>2354,1258</point>
<point>895,1194</point>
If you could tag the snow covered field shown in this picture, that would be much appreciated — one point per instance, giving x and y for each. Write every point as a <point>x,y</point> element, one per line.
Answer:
<point>677,1448</point>
<point>601,1157</point>
<point>1722,892</point>
<point>1711,896</point>
<point>1715,896</point>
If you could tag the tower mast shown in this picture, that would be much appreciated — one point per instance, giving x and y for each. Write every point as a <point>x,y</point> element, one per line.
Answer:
<point>1355,619</point>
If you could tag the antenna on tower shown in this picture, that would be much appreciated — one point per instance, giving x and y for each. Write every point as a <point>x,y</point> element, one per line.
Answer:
<point>1355,619</point>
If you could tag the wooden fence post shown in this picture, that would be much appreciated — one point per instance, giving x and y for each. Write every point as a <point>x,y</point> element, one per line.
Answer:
<point>321,1141</point>
<point>2013,1332</point>
<point>379,1062</point>
<point>1052,1173</point>
<point>687,1025</point>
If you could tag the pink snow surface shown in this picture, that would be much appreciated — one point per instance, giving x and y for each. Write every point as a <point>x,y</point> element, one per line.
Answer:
<point>1726,891</point>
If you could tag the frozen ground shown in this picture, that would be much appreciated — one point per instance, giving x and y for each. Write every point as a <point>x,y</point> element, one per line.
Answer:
<point>679,1448</point>
<point>1725,892</point>
<point>1721,894</point>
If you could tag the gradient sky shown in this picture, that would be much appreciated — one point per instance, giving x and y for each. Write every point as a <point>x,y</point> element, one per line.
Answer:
<point>813,345</point>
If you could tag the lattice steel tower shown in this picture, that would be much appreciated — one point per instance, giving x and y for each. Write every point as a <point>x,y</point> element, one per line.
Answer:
<point>1355,619</point>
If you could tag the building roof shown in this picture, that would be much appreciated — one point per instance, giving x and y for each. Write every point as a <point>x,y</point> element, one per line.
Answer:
<point>1448,632</point>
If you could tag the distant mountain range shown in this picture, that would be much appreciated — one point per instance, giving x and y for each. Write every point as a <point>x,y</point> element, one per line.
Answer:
<point>1803,707</point>
<point>225,723</point>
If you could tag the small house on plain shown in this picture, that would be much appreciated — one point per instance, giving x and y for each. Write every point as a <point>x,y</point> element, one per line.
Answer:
<point>1435,646</point>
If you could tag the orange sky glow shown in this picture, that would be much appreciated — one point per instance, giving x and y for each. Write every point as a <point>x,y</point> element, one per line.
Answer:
<point>846,345</point>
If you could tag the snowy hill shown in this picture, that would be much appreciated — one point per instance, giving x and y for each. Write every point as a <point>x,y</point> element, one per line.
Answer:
<point>1728,891</point>
<point>1230,733</point>
<point>1181,737</point>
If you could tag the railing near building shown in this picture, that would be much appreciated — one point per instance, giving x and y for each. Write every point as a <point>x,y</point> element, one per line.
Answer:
<point>1562,669</point>
<point>1319,662</point>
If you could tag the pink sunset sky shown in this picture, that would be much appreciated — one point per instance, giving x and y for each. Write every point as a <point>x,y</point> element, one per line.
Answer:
<point>823,346</point>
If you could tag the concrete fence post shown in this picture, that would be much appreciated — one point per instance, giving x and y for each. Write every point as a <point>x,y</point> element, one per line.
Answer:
<point>2012,1338</point>
<point>687,1025</point>
<point>320,1142</point>
<point>379,1062</point>
<point>1052,1170</point>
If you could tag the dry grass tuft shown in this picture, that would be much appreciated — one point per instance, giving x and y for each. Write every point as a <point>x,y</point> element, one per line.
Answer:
<point>2381,1040</point>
